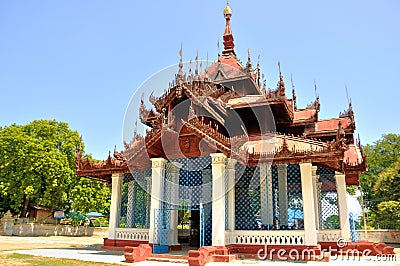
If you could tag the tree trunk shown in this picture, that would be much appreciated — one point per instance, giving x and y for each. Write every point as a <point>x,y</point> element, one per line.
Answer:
<point>25,209</point>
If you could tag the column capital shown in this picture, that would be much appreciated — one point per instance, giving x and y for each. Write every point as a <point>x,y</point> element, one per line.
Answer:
<point>339,174</point>
<point>314,169</point>
<point>231,163</point>
<point>218,158</point>
<point>117,176</point>
<point>157,162</point>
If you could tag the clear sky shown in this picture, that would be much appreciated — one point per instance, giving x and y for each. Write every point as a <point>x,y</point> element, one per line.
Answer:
<point>81,61</point>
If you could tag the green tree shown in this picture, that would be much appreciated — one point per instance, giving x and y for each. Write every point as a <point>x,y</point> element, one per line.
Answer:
<point>389,214</point>
<point>381,155</point>
<point>381,184</point>
<point>387,187</point>
<point>91,195</point>
<point>37,165</point>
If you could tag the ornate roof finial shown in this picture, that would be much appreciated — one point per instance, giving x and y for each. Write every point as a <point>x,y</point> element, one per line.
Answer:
<point>179,77</point>
<point>315,89</point>
<point>190,77</point>
<point>228,37</point>
<point>281,85</point>
<point>249,66</point>
<point>196,72</point>
<point>258,71</point>
<point>293,93</point>
<point>219,50</point>
<point>135,131</point>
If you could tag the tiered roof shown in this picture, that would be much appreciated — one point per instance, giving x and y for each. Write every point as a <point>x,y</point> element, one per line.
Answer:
<point>225,91</point>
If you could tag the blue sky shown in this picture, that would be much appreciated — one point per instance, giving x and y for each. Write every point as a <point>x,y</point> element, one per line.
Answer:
<point>81,61</point>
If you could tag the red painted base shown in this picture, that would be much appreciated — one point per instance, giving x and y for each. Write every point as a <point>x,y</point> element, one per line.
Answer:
<point>278,252</point>
<point>136,254</point>
<point>363,247</point>
<point>229,253</point>
<point>175,247</point>
<point>116,244</point>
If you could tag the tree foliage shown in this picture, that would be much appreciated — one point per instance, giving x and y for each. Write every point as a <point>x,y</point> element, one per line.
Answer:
<point>37,165</point>
<point>381,184</point>
<point>91,195</point>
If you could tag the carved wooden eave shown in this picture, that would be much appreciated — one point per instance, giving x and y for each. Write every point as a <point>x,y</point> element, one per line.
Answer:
<point>327,154</point>
<point>281,107</point>
<point>147,116</point>
<point>103,170</point>
<point>328,128</point>
<point>349,114</point>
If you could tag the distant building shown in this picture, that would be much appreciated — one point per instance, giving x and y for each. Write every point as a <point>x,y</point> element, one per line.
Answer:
<point>41,214</point>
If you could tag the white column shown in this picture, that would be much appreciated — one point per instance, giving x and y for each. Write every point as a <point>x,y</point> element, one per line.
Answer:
<point>316,194</point>
<point>129,207</point>
<point>115,207</point>
<point>283,200</point>
<point>342,204</point>
<point>218,199</point>
<point>157,176</point>
<point>174,190</point>
<point>308,204</point>
<point>231,163</point>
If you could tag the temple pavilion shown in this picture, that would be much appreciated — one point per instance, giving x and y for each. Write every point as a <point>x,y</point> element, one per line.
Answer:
<point>246,164</point>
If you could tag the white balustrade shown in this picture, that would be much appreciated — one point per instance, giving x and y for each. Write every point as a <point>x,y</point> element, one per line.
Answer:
<point>295,237</point>
<point>328,235</point>
<point>132,234</point>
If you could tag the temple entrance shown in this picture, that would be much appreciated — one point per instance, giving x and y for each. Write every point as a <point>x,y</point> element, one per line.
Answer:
<point>187,199</point>
<point>194,238</point>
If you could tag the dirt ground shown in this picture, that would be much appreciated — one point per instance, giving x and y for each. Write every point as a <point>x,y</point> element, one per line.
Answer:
<point>9,243</point>
<point>15,242</point>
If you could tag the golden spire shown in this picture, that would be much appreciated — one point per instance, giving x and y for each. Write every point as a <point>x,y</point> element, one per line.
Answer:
<point>227,10</point>
<point>228,37</point>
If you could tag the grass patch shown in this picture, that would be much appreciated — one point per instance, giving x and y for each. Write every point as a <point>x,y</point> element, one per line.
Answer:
<point>18,256</point>
<point>23,259</point>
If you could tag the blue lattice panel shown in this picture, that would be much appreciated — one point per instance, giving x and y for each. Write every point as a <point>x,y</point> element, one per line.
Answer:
<point>275,196</point>
<point>295,197</point>
<point>206,224</point>
<point>247,196</point>
<point>248,199</point>
<point>161,227</point>
<point>328,200</point>
<point>135,202</point>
